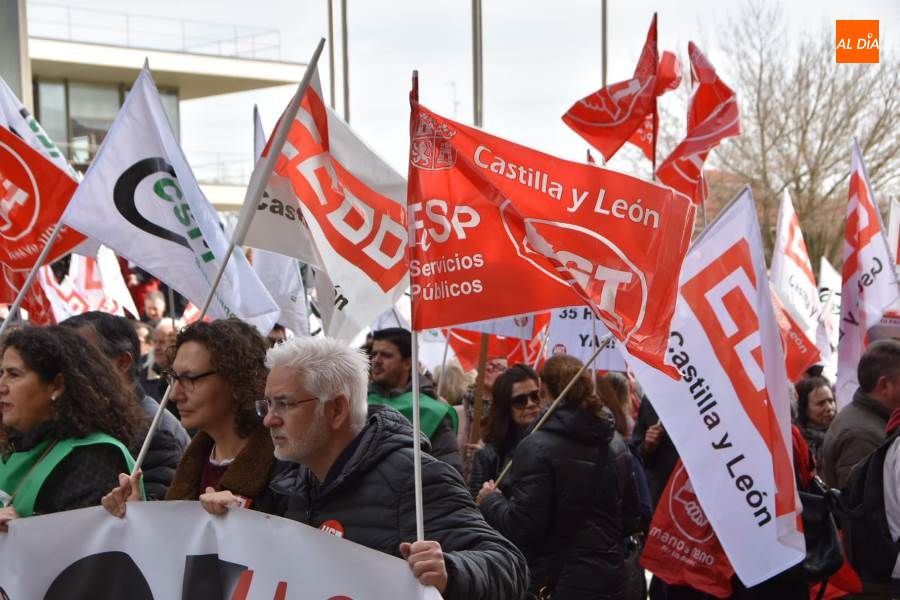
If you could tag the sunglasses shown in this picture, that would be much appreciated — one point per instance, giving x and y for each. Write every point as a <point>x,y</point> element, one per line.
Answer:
<point>521,401</point>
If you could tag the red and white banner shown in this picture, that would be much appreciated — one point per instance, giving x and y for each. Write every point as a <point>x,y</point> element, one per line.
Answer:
<point>91,284</point>
<point>869,284</point>
<point>794,285</point>
<point>34,193</point>
<point>681,547</point>
<point>35,302</point>
<point>246,555</point>
<point>729,415</point>
<point>713,115</point>
<point>498,229</point>
<point>353,204</point>
<point>626,111</point>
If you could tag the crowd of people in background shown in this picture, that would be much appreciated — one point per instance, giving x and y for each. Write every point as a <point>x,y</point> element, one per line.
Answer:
<point>309,429</point>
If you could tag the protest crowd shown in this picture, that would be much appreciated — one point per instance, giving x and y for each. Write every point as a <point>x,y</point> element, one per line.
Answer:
<point>719,429</point>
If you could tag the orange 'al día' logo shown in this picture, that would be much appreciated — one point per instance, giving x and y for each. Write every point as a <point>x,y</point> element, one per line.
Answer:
<point>856,41</point>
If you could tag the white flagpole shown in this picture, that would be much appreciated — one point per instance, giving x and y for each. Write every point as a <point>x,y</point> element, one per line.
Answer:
<point>417,427</point>
<point>20,297</point>
<point>606,340</point>
<point>251,200</point>
<point>443,365</point>
<point>417,445</point>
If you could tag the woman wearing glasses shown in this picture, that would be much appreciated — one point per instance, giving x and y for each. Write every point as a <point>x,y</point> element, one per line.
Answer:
<point>515,406</point>
<point>68,422</point>
<point>571,500</point>
<point>218,374</point>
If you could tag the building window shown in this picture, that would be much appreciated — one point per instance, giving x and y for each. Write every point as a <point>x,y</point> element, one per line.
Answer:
<point>92,108</point>
<point>170,103</point>
<point>51,99</point>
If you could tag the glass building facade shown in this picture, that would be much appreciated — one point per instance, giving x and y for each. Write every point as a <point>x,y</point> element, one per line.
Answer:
<point>77,114</point>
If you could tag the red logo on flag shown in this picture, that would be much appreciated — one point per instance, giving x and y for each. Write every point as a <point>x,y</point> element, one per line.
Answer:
<point>33,194</point>
<point>724,297</point>
<point>333,527</point>
<point>430,147</point>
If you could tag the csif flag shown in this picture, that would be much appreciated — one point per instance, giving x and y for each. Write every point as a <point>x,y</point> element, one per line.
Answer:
<point>829,331</point>
<point>352,204</point>
<point>626,110</point>
<point>497,229</point>
<point>729,415</point>
<point>713,115</point>
<point>869,285</point>
<point>140,198</point>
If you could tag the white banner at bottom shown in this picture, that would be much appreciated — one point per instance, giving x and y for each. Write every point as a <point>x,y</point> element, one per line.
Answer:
<point>170,550</point>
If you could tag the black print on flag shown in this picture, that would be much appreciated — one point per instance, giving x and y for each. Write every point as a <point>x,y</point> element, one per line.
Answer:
<point>104,576</point>
<point>126,186</point>
<point>206,577</point>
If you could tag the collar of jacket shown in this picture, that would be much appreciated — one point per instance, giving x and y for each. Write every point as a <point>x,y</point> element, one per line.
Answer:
<point>386,430</point>
<point>247,476</point>
<point>870,404</point>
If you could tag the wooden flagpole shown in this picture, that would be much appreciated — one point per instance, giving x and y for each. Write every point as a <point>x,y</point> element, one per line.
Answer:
<point>606,340</point>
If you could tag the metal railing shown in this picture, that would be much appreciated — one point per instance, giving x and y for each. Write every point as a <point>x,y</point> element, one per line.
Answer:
<point>222,168</point>
<point>74,24</point>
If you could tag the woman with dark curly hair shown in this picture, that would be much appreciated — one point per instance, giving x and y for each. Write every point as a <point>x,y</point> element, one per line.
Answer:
<point>516,403</point>
<point>218,373</point>
<point>68,422</point>
<point>571,501</point>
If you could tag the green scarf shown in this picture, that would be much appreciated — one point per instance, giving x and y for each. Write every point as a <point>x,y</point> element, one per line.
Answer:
<point>431,411</point>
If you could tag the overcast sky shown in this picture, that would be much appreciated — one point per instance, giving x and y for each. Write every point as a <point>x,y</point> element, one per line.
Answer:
<point>539,57</point>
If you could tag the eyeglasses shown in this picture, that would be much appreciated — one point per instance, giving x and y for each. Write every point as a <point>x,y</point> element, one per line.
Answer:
<point>521,401</point>
<point>278,406</point>
<point>187,381</point>
<point>494,367</point>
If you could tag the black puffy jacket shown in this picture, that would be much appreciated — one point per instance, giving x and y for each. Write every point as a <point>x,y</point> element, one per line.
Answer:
<point>167,446</point>
<point>571,503</point>
<point>371,497</point>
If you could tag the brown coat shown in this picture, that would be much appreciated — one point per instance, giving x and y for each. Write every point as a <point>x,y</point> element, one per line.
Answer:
<point>247,476</point>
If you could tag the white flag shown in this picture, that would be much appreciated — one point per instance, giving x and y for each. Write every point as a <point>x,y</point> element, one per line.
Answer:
<point>280,273</point>
<point>353,203</point>
<point>894,229</point>
<point>15,117</point>
<point>797,305</point>
<point>576,331</point>
<point>519,327</point>
<point>729,415</point>
<point>141,199</point>
<point>830,298</point>
<point>869,281</point>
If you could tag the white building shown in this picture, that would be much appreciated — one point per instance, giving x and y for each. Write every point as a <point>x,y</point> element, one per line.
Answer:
<point>83,62</point>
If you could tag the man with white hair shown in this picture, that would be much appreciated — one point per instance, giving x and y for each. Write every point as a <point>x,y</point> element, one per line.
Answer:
<point>353,475</point>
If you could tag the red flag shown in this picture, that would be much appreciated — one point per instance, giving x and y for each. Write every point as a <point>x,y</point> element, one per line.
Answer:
<point>713,115</point>
<point>800,352</point>
<point>33,195</point>
<point>668,78</point>
<point>498,229</point>
<point>40,311</point>
<point>467,345</point>
<point>626,110</point>
<point>682,548</point>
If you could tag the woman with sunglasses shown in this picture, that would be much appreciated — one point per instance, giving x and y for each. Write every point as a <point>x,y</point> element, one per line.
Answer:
<point>218,374</point>
<point>68,422</point>
<point>515,406</point>
<point>571,500</point>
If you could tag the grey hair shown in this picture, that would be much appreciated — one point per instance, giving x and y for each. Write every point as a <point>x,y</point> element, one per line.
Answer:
<point>329,368</point>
